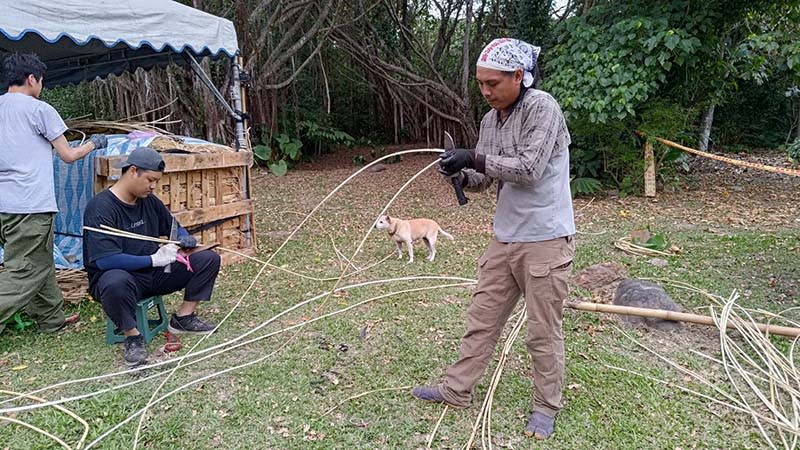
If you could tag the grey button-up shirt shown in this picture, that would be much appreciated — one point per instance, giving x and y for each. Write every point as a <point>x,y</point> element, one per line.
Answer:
<point>529,154</point>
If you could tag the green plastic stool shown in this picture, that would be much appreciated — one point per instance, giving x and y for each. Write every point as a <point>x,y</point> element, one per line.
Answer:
<point>149,328</point>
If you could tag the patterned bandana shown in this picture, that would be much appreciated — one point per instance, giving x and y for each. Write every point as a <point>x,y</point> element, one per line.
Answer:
<point>509,55</point>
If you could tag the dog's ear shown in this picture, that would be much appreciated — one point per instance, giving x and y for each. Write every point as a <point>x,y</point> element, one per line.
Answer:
<point>388,219</point>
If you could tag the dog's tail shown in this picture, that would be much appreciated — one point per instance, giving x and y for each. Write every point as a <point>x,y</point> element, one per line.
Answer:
<point>446,234</point>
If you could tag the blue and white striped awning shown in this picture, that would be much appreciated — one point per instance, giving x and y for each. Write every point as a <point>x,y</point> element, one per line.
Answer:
<point>85,39</point>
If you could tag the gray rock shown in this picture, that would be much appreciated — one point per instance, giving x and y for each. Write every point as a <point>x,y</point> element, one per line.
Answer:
<point>644,294</point>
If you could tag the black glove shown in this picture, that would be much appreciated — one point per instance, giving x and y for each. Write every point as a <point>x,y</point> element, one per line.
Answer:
<point>187,241</point>
<point>452,161</point>
<point>99,140</point>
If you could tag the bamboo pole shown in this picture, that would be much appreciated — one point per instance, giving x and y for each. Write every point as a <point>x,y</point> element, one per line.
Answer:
<point>676,316</point>
<point>725,159</point>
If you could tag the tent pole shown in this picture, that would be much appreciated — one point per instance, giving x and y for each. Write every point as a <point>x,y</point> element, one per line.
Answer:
<point>236,114</point>
<point>243,79</point>
<point>236,96</point>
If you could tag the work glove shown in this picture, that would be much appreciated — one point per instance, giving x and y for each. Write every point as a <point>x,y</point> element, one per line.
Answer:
<point>188,241</point>
<point>165,255</point>
<point>452,161</point>
<point>99,140</point>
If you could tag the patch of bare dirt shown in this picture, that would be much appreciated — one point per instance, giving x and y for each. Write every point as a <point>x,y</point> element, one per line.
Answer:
<point>713,197</point>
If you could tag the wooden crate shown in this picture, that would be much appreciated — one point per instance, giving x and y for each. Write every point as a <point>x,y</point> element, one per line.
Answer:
<point>206,193</point>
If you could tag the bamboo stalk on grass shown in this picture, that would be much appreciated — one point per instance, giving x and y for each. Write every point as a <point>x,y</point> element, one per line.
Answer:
<point>486,432</point>
<point>152,402</point>
<point>625,244</point>
<point>38,430</point>
<point>362,395</point>
<point>43,432</point>
<point>127,234</point>
<point>677,316</point>
<point>483,421</point>
<point>225,345</point>
<point>763,381</point>
<point>777,375</point>
<point>436,428</point>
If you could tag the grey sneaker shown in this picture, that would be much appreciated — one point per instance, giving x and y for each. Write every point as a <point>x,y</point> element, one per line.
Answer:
<point>432,394</point>
<point>135,352</point>
<point>190,324</point>
<point>540,426</point>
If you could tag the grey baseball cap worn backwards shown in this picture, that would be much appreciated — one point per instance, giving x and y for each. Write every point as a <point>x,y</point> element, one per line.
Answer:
<point>144,158</point>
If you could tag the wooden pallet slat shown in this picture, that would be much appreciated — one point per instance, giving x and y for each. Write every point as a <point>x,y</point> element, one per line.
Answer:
<point>198,216</point>
<point>178,162</point>
<point>199,189</point>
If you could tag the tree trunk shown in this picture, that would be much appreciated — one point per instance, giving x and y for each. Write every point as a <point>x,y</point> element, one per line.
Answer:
<point>708,120</point>
<point>797,127</point>
<point>587,4</point>
<point>406,21</point>
<point>465,56</point>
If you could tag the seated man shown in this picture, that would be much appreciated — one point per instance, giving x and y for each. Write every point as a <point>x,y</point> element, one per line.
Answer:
<point>123,271</point>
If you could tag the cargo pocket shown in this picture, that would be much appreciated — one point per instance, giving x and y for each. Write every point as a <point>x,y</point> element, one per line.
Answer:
<point>548,281</point>
<point>559,279</point>
<point>539,281</point>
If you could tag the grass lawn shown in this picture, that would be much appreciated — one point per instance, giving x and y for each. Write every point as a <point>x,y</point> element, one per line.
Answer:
<point>736,231</point>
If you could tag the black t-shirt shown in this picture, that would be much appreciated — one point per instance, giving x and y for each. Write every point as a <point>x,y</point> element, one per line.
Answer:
<point>149,217</point>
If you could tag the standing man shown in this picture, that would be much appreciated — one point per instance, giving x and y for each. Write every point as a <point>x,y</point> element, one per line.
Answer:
<point>123,271</point>
<point>29,130</point>
<point>523,144</point>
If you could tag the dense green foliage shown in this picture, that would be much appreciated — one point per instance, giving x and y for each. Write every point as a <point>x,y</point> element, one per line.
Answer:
<point>656,67</point>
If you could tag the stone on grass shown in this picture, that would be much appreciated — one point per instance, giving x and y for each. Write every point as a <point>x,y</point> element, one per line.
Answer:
<point>644,294</point>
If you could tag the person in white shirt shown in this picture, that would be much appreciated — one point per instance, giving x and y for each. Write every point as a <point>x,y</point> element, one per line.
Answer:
<point>29,131</point>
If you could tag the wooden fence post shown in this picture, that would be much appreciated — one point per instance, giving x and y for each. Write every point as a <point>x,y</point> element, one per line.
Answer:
<point>649,171</point>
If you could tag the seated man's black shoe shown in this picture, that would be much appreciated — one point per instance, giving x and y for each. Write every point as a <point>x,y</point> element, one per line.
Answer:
<point>190,324</point>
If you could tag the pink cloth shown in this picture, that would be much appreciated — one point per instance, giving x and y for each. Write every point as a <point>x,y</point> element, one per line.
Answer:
<point>184,259</point>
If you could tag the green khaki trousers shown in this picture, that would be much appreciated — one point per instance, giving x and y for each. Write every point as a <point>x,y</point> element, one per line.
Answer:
<point>28,282</point>
<point>539,271</point>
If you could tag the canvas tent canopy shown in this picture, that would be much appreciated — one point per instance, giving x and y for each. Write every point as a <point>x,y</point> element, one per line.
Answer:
<point>85,39</point>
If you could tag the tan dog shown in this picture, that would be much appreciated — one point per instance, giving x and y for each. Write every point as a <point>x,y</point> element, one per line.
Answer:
<point>412,230</point>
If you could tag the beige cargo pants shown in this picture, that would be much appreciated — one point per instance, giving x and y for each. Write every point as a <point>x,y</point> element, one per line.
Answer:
<point>539,271</point>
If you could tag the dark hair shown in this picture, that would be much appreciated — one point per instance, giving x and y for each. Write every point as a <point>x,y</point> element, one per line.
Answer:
<point>536,73</point>
<point>139,170</point>
<point>17,67</point>
<point>537,77</point>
